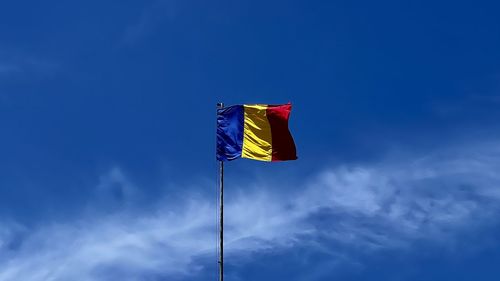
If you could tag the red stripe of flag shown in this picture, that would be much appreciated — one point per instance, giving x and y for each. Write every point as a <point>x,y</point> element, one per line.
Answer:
<point>282,142</point>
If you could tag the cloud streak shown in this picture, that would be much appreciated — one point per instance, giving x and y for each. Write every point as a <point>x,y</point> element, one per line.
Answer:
<point>390,204</point>
<point>13,64</point>
<point>152,15</point>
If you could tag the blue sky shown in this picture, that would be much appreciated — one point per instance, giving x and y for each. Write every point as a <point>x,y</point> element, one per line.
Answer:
<point>107,167</point>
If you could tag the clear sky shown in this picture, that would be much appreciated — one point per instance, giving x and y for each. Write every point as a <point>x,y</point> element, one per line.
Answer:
<point>107,150</point>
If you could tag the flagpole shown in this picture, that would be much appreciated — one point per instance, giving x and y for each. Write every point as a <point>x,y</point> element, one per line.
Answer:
<point>221,214</point>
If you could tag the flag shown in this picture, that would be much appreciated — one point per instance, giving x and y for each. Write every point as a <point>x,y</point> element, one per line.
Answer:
<point>256,131</point>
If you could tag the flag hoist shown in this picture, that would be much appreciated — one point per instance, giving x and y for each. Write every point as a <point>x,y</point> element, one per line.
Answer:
<point>253,131</point>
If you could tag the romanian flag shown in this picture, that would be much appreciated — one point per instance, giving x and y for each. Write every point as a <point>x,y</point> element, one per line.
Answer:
<point>256,131</point>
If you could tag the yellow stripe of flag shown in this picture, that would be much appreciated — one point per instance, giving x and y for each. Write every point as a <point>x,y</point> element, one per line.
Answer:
<point>257,142</point>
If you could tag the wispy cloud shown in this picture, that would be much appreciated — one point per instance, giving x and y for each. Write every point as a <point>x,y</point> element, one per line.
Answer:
<point>481,95</point>
<point>9,68</point>
<point>151,16</point>
<point>15,64</point>
<point>389,204</point>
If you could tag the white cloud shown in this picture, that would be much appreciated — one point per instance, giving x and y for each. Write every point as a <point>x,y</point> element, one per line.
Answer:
<point>384,205</point>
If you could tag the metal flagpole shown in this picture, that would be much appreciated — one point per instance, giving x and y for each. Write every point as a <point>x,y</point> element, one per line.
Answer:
<point>221,216</point>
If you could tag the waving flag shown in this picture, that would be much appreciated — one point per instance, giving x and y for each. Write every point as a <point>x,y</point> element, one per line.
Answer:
<point>257,131</point>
